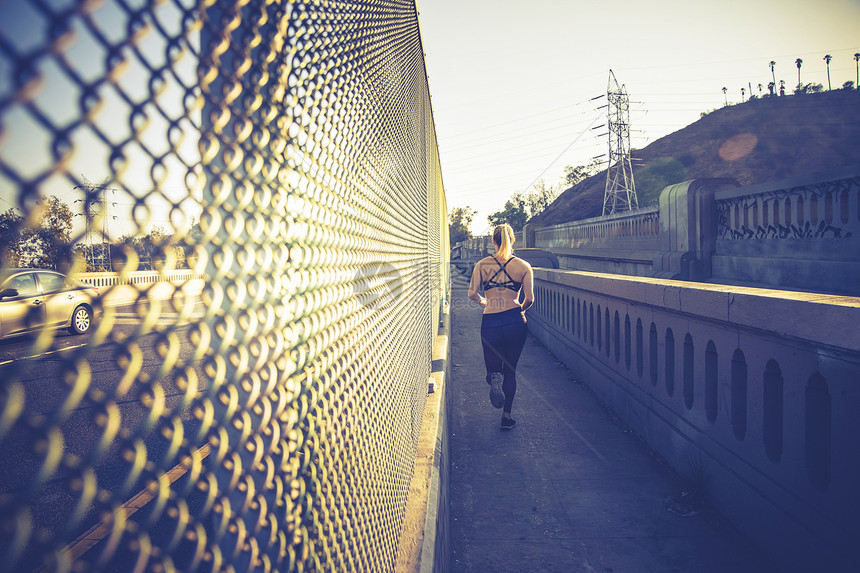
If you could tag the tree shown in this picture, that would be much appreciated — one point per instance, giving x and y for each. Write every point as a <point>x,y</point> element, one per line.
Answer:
<point>772,64</point>
<point>770,88</point>
<point>541,198</point>
<point>459,220</point>
<point>743,91</point>
<point>42,240</point>
<point>152,250</point>
<point>195,232</point>
<point>798,61</point>
<point>194,240</point>
<point>514,213</point>
<point>782,87</point>
<point>809,89</point>
<point>11,225</point>
<point>827,59</point>
<point>574,175</point>
<point>725,90</point>
<point>849,85</point>
<point>522,207</point>
<point>153,247</point>
<point>54,234</point>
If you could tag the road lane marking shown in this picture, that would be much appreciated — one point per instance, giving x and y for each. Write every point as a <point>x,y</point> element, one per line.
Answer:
<point>43,354</point>
<point>122,319</point>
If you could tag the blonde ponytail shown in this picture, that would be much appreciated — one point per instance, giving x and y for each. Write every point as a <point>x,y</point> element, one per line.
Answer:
<point>503,238</point>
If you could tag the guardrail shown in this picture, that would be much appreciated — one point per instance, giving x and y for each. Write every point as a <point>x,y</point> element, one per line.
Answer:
<point>137,278</point>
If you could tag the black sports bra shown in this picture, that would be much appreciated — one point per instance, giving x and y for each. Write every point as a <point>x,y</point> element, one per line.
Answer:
<point>508,284</point>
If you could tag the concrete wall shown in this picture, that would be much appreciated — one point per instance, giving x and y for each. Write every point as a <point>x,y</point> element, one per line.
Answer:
<point>751,393</point>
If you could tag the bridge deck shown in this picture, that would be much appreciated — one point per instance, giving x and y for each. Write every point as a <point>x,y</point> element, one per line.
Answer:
<point>567,489</point>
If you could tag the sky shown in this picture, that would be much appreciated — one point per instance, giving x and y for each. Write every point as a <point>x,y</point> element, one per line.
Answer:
<point>142,195</point>
<point>513,87</point>
<point>512,82</point>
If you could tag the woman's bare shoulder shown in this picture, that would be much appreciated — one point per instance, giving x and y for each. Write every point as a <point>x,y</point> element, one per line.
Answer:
<point>523,263</point>
<point>483,262</point>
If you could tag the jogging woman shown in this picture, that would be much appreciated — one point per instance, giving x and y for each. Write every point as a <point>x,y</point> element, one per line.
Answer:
<point>503,278</point>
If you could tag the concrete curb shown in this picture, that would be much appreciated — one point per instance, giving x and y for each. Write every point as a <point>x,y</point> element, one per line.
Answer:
<point>423,544</point>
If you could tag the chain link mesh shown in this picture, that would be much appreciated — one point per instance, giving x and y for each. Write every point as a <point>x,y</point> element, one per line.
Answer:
<point>286,153</point>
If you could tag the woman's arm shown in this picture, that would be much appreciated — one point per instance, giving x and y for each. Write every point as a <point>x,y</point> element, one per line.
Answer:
<point>475,284</point>
<point>528,288</point>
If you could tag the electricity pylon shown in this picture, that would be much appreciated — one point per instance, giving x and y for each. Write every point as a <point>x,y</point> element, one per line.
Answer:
<point>620,193</point>
<point>95,211</point>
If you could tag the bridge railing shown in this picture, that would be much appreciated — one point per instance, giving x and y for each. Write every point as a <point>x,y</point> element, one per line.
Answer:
<point>802,232</point>
<point>798,233</point>
<point>750,394</point>
<point>137,277</point>
<point>623,243</point>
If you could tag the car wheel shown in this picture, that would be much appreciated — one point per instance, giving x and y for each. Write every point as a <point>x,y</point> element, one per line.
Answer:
<point>82,319</point>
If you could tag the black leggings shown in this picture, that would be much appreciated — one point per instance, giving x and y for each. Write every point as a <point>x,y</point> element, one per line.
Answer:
<point>503,336</point>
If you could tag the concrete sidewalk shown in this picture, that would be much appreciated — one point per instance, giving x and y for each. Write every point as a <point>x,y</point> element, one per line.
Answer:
<point>567,489</point>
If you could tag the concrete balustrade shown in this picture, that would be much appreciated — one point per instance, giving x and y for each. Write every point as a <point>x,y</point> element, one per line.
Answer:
<point>752,394</point>
<point>803,233</point>
<point>622,243</point>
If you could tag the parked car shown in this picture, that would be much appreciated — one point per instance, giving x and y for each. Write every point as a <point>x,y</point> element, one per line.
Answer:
<point>33,299</point>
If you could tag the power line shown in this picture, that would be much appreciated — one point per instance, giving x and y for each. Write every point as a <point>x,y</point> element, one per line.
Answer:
<point>10,204</point>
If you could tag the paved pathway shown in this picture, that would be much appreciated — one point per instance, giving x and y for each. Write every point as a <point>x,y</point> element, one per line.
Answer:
<point>568,489</point>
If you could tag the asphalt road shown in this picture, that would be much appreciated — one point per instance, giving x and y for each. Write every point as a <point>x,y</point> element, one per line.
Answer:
<point>71,394</point>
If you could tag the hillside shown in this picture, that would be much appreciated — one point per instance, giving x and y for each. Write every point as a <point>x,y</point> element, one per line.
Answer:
<point>753,142</point>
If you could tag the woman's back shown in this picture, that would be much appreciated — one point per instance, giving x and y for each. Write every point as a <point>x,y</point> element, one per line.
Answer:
<point>502,281</point>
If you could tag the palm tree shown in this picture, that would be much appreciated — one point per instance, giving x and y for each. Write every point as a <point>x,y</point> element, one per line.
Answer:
<point>827,59</point>
<point>782,87</point>
<point>759,90</point>
<point>857,65</point>
<point>743,91</point>
<point>771,86</point>
<point>772,64</point>
<point>725,89</point>
<point>798,61</point>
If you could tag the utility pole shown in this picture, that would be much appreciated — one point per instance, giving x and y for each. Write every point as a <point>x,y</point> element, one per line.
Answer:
<point>95,213</point>
<point>620,193</point>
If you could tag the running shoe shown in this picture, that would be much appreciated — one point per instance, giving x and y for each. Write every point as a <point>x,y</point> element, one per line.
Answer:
<point>508,423</point>
<point>497,395</point>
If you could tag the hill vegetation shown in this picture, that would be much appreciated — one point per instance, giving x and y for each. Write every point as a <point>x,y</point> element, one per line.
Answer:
<point>753,142</point>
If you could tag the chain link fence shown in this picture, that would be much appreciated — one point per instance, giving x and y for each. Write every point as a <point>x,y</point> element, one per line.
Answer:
<point>286,153</point>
